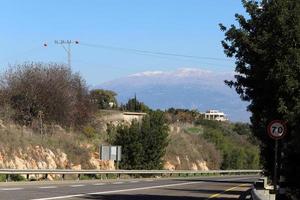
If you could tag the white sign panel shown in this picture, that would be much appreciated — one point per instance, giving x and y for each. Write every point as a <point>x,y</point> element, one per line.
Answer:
<point>110,152</point>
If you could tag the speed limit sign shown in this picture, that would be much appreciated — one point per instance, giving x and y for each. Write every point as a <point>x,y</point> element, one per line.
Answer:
<point>277,129</point>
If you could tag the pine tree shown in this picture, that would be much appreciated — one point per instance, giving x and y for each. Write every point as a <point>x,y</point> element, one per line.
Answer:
<point>143,144</point>
<point>132,149</point>
<point>154,132</point>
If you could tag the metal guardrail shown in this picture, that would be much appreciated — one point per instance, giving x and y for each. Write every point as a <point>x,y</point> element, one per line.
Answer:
<point>69,171</point>
<point>261,190</point>
<point>64,172</point>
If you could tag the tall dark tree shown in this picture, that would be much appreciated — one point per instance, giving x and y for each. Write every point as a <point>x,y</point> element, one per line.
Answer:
<point>132,150</point>
<point>143,144</point>
<point>154,133</point>
<point>134,105</point>
<point>266,46</point>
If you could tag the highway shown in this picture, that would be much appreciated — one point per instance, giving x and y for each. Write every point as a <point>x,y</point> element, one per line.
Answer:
<point>200,188</point>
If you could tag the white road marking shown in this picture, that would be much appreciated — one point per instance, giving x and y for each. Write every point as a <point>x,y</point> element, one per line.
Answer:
<point>116,183</point>
<point>48,187</point>
<point>10,189</point>
<point>118,191</point>
<point>134,181</point>
<point>149,180</point>
<point>77,185</point>
<point>99,184</point>
<point>235,179</point>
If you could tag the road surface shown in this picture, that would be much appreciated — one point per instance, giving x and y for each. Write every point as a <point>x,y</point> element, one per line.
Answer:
<point>226,188</point>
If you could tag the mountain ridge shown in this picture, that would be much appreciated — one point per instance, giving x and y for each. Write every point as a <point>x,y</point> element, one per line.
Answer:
<point>187,88</point>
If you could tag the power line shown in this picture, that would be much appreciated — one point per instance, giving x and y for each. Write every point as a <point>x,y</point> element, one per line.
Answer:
<point>160,53</point>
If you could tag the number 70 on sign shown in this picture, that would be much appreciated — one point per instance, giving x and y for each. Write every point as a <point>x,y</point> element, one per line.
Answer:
<point>277,129</point>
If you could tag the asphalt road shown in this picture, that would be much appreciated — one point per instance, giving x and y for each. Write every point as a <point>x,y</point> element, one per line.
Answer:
<point>226,188</point>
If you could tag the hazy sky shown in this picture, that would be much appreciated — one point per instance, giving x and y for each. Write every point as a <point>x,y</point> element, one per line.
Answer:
<point>187,27</point>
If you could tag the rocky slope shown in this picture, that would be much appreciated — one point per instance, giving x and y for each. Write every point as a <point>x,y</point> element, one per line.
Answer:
<point>20,148</point>
<point>186,151</point>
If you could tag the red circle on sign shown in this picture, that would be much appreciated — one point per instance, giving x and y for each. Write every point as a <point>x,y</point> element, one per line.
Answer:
<point>277,129</point>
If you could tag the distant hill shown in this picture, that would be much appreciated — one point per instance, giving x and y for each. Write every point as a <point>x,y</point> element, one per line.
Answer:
<point>183,88</point>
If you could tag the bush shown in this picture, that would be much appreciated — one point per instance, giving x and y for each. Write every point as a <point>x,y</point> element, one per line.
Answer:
<point>238,151</point>
<point>50,91</point>
<point>89,131</point>
<point>16,177</point>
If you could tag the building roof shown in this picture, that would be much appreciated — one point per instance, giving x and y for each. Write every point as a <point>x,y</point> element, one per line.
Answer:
<point>134,113</point>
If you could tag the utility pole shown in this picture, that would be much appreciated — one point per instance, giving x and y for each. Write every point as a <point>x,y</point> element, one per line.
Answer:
<point>66,44</point>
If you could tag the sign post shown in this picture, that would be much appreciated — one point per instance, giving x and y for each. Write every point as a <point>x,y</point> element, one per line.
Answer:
<point>276,130</point>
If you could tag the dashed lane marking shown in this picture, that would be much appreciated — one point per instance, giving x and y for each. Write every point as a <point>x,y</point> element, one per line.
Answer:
<point>48,187</point>
<point>77,185</point>
<point>134,181</point>
<point>11,189</point>
<point>99,184</point>
<point>116,183</point>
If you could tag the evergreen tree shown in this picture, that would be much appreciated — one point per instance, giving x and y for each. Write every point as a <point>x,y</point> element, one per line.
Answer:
<point>135,105</point>
<point>132,149</point>
<point>154,133</point>
<point>267,53</point>
<point>143,144</point>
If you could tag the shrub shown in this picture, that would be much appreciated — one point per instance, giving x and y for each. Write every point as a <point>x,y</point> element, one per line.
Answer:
<point>50,91</point>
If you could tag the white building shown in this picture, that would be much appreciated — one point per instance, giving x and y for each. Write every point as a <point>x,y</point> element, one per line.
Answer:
<point>215,115</point>
<point>129,116</point>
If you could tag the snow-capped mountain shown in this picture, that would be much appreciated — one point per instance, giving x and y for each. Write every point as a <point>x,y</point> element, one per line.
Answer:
<point>183,88</point>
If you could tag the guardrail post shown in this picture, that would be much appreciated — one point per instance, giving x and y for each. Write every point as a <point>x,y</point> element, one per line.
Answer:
<point>27,176</point>
<point>63,177</point>
<point>78,177</point>
<point>282,188</point>
<point>46,177</point>
<point>7,178</point>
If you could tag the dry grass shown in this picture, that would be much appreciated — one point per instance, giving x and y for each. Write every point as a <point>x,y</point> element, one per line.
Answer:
<point>14,138</point>
<point>183,145</point>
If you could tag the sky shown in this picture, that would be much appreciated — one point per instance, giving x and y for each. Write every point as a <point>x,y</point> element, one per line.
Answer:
<point>188,27</point>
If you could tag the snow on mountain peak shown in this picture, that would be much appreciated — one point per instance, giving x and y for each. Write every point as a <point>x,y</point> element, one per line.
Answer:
<point>147,73</point>
<point>181,72</point>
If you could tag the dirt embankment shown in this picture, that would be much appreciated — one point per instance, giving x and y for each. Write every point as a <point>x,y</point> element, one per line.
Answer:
<point>21,148</point>
<point>189,151</point>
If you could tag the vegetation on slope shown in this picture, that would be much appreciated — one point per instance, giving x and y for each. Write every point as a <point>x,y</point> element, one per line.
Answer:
<point>237,150</point>
<point>36,98</point>
<point>186,149</point>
